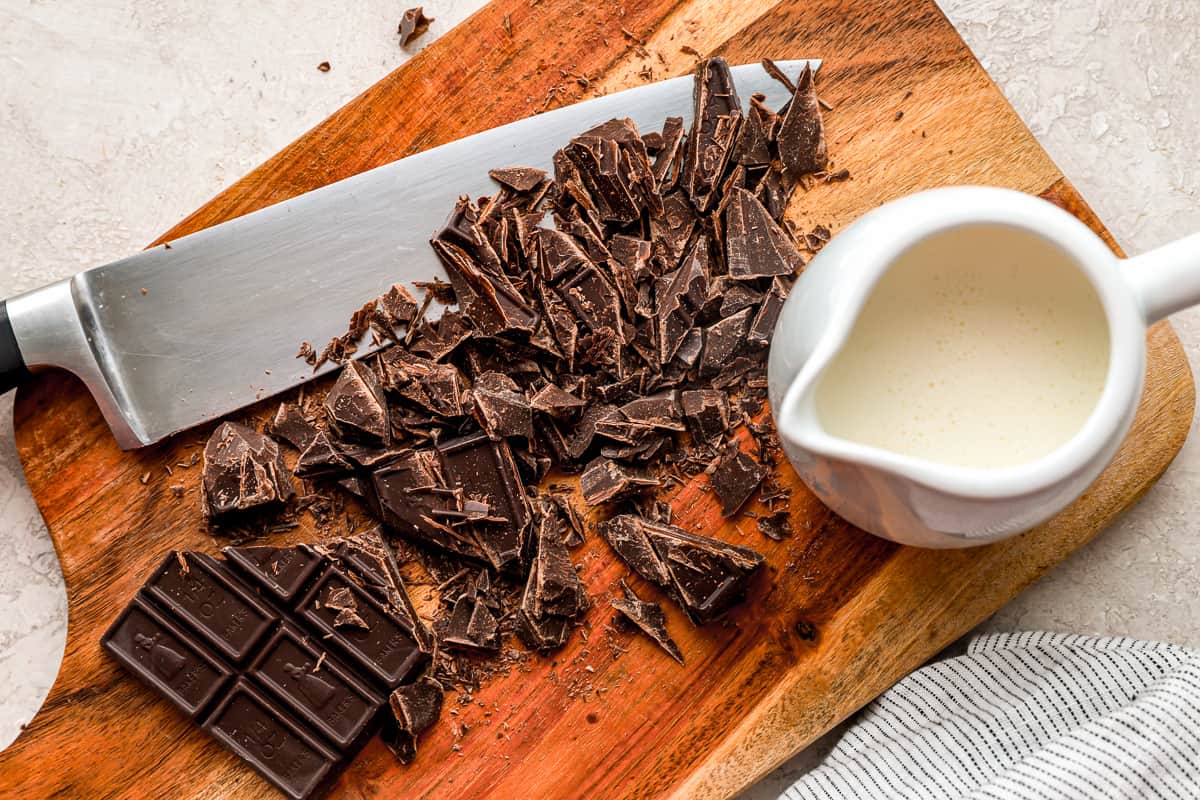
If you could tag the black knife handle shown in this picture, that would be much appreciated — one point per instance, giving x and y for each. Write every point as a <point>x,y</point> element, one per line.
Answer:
<point>12,366</point>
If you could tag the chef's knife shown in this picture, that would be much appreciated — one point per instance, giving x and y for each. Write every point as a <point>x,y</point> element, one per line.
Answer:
<point>178,335</point>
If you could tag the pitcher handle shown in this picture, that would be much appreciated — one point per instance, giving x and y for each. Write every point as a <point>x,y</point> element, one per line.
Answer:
<point>1166,279</point>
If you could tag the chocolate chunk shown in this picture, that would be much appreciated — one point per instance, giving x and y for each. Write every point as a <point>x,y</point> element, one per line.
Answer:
<point>680,295</point>
<point>412,24</point>
<point>164,656</point>
<point>604,480</point>
<point>543,635</point>
<point>716,118</point>
<point>483,290</point>
<point>399,305</point>
<point>756,247</point>
<point>437,387</point>
<point>500,407</point>
<point>552,400</point>
<point>442,338</point>
<point>556,588</point>
<point>519,179</point>
<point>763,325</point>
<point>484,469</point>
<point>471,626</point>
<point>371,558</point>
<point>242,470</point>
<point>406,494</point>
<point>290,425</point>
<point>705,575</point>
<point>778,526</point>
<point>672,230</point>
<point>322,459</point>
<point>736,479</point>
<point>753,146</point>
<point>614,169</point>
<point>649,618</point>
<point>328,698</point>
<point>773,191</point>
<point>255,728</point>
<point>376,641</point>
<point>558,254</point>
<point>801,137</point>
<point>570,519</point>
<point>666,160</point>
<point>707,413</point>
<point>342,601</point>
<point>689,349</point>
<point>736,295</point>
<point>415,707</point>
<point>356,408</point>
<point>626,534</point>
<point>659,411</point>
<point>723,340</point>
<point>594,300</point>
<point>196,589</point>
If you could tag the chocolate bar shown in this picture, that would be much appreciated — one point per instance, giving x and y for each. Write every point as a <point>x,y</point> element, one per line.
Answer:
<point>285,655</point>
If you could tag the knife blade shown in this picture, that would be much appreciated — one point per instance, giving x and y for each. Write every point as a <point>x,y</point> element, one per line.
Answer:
<point>176,336</point>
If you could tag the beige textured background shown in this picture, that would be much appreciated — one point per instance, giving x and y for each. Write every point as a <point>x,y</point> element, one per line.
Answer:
<point>118,117</point>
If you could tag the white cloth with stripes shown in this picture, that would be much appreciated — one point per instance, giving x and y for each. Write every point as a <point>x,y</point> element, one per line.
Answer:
<point>1035,716</point>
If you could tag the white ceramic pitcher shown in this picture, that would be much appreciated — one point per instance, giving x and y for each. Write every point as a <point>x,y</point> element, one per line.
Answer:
<point>928,504</point>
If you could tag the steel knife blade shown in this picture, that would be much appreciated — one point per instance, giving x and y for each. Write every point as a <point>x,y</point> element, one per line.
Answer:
<point>175,336</point>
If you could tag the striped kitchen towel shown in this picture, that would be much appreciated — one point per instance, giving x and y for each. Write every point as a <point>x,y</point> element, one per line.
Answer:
<point>1027,715</point>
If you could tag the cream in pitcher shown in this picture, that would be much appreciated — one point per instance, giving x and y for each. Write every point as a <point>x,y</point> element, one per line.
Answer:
<point>980,347</point>
<point>958,365</point>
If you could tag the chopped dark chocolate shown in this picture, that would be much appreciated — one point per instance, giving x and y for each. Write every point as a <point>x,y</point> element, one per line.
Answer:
<point>322,459</point>
<point>736,479</point>
<point>756,247</point>
<point>705,575</point>
<point>500,407</point>
<point>437,387</point>
<point>722,341</point>
<point>290,425</point>
<point>552,400</point>
<point>604,480</point>
<point>707,414</point>
<point>716,118</point>
<point>519,179</point>
<point>649,618</point>
<point>415,708</point>
<point>556,588</point>
<point>412,24</point>
<point>355,406</point>
<point>471,626</point>
<point>777,526</point>
<point>763,325</point>
<point>399,305</point>
<point>753,147</point>
<point>802,146</point>
<point>666,160</point>
<point>243,470</point>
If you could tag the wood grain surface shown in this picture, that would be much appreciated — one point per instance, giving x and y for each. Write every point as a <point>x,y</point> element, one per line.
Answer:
<point>842,616</point>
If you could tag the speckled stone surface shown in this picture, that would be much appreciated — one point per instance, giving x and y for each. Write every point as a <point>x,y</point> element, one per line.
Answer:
<point>117,121</point>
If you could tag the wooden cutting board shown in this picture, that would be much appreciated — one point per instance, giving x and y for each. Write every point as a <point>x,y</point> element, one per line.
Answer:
<point>843,615</point>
